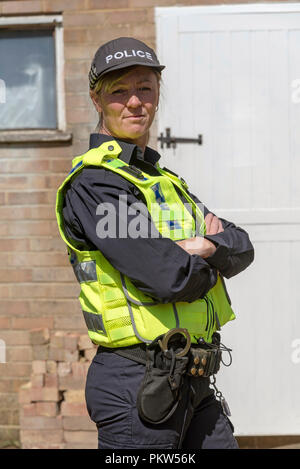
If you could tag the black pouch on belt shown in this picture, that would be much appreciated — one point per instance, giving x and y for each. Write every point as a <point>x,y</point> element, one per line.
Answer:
<point>160,389</point>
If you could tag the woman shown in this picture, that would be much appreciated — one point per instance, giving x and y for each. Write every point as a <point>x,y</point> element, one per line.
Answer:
<point>149,261</point>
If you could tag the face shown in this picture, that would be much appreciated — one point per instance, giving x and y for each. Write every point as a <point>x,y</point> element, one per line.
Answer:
<point>128,108</point>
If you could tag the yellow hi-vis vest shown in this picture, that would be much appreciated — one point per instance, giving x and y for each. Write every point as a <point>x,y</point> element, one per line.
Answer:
<point>117,313</point>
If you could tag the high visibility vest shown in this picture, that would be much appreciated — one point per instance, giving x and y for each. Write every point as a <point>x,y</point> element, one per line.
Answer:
<point>116,312</point>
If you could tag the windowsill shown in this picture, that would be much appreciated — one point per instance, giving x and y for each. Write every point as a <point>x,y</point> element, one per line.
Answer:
<point>35,136</point>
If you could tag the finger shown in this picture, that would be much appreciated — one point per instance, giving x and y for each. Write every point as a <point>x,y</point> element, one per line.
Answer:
<point>208,220</point>
<point>220,227</point>
<point>214,225</point>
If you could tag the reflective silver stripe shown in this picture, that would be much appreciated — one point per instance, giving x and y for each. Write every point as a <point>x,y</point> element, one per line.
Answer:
<point>94,322</point>
<point>85,271</point>
<point>132,300</point>
<point>142,339</point>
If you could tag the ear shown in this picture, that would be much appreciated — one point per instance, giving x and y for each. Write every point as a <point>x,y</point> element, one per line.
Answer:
<point>96,102</point>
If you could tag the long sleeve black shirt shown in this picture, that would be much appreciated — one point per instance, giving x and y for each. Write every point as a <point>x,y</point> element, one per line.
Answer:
<point>156,265</point>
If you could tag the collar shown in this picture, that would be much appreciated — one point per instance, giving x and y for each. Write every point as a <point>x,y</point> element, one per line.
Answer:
<point>130,151</point>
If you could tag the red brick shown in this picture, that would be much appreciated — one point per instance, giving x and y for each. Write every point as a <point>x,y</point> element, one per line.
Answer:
<point>39,366</point>
<point>15,275</point>
<point>15,369</point>
<point>39,336</point>
<point>45,212</point>
<point>79,52</point>
<point>31,323</point>
<point>25,394</point>
<point>41,274</point>
<point>27,198</point>
<point>15,354</point>
<point>51,380</point>
<point>40,352</point>
<point>80,369</point>
<point>93,444</point>
<point>44,445</point>
<point>41,244</point>
<point>71,356</point>
<point>70,341</point>
<point>89,354</point>
<point>57,354</point>
<point>27,228</point>
<point>29,410</point>
<point>76,396</point>
<point>81,115</point>
<point>59,6</point>
<point>82,437</point>
<point>16,383</point>
<point>85,342</point>
<point>117,17</point>
<point>75,36</point>
<point>51,366</point>
<point>13,245</point>
<point>63,369</point>
<point>21,7</point>
<point>37,381</point>
<point>35,437</point>
<point>69,382</point>
<point>24,166</point>
<point>54,308</point>
<point>40,423</point>
<point>79,423</point>
<point>107,4</point>
<point>73,408</point>
<point>73,322</point>
<point>15,337</point>
<point>44,394</point>
<point>47,409</point>
<point>5,323</point>
<point>154,3</point>
<point>57,339</point>
<point>14,307</point>
<point>83,20</point>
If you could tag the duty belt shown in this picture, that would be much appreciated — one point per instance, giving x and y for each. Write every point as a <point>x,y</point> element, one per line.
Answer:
<point>203,359</point>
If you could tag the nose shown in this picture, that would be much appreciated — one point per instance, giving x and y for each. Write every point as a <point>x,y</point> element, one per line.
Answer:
<point>134,100</point>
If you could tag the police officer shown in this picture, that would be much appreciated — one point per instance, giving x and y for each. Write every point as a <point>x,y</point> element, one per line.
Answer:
<point>150,261</point>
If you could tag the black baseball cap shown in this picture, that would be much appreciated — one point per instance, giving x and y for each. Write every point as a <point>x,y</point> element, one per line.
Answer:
<point>121,53</point>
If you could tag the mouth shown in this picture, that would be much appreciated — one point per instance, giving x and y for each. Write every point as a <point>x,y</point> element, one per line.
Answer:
<point>139,116</point>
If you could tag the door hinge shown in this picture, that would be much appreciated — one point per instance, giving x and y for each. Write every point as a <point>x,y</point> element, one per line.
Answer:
<point>172,141</point>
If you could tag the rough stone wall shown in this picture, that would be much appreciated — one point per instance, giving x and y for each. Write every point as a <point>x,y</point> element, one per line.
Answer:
<point>37,286</point>
<point>53,412</point>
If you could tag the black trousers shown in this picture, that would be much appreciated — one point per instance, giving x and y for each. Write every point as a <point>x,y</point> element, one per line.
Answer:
<point>111,391</point>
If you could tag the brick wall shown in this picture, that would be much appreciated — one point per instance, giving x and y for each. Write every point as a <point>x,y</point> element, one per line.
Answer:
<point>37,287</point>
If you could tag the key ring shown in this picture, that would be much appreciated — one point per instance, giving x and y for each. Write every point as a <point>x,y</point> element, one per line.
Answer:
<point>165,340</point>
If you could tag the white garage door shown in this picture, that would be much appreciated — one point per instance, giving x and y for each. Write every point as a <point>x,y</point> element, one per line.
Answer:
<point>233,75</point>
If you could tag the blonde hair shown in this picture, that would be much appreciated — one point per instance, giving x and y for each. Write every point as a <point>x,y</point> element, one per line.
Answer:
<point>107,82</point>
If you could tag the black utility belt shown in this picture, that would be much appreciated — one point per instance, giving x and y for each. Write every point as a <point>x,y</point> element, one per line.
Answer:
<point>170,361</point>
<point>203,359</point>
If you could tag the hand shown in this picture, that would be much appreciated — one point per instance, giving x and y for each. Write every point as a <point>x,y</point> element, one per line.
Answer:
<point>198,245</point>
<point>213,224</point>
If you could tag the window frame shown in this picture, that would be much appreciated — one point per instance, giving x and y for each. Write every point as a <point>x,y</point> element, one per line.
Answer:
<point>55,23</point>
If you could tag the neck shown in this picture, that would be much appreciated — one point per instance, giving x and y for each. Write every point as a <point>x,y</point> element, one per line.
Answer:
<point>140,141</point>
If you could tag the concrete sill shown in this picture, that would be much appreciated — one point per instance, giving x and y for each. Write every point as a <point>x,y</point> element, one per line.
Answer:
<point>35,136</point>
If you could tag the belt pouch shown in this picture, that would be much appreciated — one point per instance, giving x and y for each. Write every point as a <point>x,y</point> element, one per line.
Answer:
<point>160,389</point>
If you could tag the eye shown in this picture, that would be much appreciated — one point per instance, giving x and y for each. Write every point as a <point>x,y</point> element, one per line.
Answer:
<point>118,91</point>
